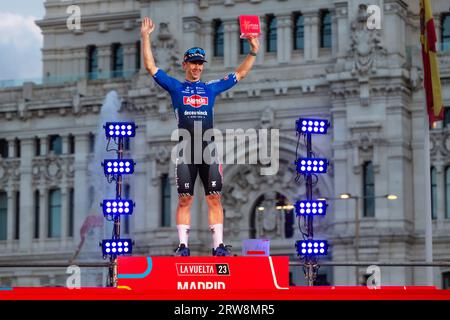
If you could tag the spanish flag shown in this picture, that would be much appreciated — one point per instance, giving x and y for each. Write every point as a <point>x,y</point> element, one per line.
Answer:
<point>431,81</point>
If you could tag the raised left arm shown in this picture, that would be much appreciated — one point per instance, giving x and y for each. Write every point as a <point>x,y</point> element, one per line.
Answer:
<point>246,65</point>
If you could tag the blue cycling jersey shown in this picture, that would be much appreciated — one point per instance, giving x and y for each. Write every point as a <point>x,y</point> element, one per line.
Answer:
<point>194,101</point>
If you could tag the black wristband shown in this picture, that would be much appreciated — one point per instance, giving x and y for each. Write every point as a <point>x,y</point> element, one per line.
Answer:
<point>252,53</point>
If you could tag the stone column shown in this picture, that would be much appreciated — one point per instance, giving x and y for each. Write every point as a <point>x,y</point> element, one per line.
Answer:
<point>334,34</point>
<point>314,21</point>
<point>64,213</point>
<point>65,144</point>
<point>440,186</point>
<point>230,43</point>
<point>26,230</point>
<point>191,32</point>
<point>284,37</point>
<point>234,42</point>
<point>10,215</point>
<point>104,61</point>
<point>129,52</point>
<point>342,28</point>
<point>44,145</point>
<point>394,19</point>
<point>11,147</point>
<point>262,47</point>
<point>307,35</point>
<point>207,31</point>
<point>80,183</point>
<point>226,44</point>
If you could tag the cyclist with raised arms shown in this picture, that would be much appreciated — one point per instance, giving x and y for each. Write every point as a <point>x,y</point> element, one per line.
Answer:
<point>193,102</point>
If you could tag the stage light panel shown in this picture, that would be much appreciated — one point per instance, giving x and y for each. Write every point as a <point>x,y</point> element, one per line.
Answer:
<point>117,246</point>
<point>118,166</point>
<point>312,165</point>
<point>120,129</point>
<point>311,207</point>
<point>312,247</point>
<point>312,126</point>
<point>117,207</point>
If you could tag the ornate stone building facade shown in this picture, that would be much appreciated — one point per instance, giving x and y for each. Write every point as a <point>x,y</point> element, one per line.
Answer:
<point>317,58</point>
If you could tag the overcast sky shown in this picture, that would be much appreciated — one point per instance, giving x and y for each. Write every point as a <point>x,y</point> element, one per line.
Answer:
<point>20,39</point>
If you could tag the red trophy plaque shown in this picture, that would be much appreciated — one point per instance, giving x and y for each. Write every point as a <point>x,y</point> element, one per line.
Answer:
<point>250,26</point>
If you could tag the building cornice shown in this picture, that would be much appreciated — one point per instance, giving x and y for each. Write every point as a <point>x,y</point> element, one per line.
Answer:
<point>89,19</point>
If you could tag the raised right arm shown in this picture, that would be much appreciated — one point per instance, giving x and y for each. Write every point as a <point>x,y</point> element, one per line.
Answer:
<point>147,28</point>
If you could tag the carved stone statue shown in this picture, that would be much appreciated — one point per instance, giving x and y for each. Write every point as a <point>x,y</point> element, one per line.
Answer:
<point>165,49</point>
<point>365,44</point>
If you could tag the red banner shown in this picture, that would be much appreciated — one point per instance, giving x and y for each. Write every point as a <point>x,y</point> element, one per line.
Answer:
<point>197,274</point>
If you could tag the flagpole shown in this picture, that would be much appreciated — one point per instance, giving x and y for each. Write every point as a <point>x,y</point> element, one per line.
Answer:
<point>427,209</point>
<point>432,112</point>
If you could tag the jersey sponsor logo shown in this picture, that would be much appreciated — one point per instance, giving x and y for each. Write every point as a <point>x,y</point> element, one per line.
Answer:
<point>196,113</point>
<point>195,101</point>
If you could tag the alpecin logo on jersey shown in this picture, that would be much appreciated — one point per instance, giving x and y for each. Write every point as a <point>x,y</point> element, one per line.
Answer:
<point>195,101</point>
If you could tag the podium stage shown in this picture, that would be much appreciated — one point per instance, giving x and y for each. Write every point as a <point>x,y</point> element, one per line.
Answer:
<point>216,278</point>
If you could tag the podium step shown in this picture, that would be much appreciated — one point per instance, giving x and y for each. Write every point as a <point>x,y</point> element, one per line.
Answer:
<point>195,274</point>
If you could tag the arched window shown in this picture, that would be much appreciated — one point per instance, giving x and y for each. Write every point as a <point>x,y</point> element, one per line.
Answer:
<point>71,212</point>
<point>368,190</point>
<point>446,280</point>
<point>3,215</point>
<point>445,32</point>
<point>54,213</point>
<point>138,55</point>
<point>325,29</point>
<point>446,116</point>
<point>117,60</point>
<point>56,144</point>
<point>92,64</point>
<point>299,34</point>
<point>17,216</point>
<point>37,209</point>
<point>433,193</point>
<point>271,33</point>
<point>4,148</point>
<point>218,38</point>
<point>447,193</point>
<point>244,47</point>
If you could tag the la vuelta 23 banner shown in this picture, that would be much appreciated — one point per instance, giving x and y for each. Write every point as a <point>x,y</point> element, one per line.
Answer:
<point>198,274</point>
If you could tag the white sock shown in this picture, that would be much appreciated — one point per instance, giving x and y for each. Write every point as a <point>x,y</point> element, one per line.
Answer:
<point>183,233</point>
<point>217,234</point>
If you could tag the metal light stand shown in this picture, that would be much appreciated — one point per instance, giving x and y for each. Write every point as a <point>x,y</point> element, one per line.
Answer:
<point>309,249</point>
<point>310,263</point>
<point>112,274</point>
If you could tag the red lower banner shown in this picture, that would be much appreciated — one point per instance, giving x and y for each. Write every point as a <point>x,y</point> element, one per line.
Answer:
<point>203,273</point>
<point>216,278</point>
